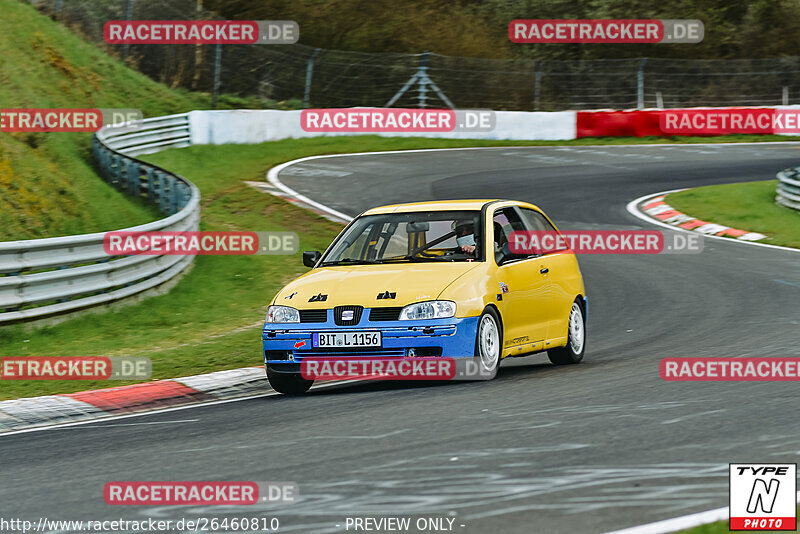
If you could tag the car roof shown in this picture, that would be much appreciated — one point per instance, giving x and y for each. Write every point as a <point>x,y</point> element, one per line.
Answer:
<point>441,205</point>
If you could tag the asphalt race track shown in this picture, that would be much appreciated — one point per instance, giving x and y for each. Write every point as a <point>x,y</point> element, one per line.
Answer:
<point>589,448</point>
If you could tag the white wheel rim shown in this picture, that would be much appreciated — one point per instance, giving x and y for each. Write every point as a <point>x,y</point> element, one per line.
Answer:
<point>576,330</point>
<point>489,340</point>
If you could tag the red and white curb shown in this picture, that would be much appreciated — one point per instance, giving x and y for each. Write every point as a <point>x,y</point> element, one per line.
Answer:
<point>653,209</point>
<point>52,410</point>
<point>657,208</point>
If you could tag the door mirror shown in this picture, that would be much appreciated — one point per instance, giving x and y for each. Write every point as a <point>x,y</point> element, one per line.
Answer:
<point>311,257</point>
<point>504,255</point>
<point>499,257</point>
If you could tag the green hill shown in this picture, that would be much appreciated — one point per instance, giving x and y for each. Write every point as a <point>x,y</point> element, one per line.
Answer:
<point>48,186</point>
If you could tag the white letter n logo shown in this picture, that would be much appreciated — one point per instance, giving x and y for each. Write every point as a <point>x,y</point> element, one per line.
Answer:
<point>763,495</point>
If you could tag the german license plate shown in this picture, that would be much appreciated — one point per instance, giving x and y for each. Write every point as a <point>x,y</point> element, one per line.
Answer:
<point>346,340</point>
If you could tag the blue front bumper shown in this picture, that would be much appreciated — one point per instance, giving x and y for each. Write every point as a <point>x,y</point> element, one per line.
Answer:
<point>454,337</point>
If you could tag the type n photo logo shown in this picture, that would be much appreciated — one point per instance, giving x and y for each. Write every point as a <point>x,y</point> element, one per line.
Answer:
<point>763,496</point>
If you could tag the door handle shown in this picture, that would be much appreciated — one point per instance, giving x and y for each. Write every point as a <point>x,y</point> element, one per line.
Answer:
<point>544,270</point>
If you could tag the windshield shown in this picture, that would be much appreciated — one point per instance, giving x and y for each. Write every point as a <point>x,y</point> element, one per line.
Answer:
<point>409,237</point>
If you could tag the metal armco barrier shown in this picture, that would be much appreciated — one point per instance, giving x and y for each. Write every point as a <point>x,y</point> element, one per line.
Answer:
<point>789,188</point>
<point>45,277</point>
<point>158,133</point>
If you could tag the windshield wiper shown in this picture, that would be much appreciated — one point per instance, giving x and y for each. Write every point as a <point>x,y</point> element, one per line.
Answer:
<point>348,261</point>
<point>422,259</point>
<point>407,258</point>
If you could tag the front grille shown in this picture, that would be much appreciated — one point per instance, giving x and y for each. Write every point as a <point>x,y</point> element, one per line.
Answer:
<point>350,353</point>
<point>426,352</point>
<point>339,310</point>
<point>276,355</point>
<point>313,316</point>
<point>385,314</point>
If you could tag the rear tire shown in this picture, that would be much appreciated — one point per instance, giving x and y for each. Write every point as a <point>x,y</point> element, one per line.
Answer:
<point>576,338</point>
<point>489,342</point>
<point>288,383</point>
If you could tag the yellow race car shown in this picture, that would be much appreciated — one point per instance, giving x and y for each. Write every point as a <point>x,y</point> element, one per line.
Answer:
<point>429,279</point>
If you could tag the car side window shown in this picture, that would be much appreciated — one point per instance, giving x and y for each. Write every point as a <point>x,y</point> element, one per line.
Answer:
<point>505,221</point>
<point>535,221</point>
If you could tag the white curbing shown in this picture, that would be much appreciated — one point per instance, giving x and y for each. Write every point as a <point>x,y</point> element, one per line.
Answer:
<point>682,523</point>
<point>227,384</point>
<point>51,410</point>
<point>677,523</point>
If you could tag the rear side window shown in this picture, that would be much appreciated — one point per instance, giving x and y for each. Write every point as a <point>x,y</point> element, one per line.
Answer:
<point>535,221</point>
<point>505,222</point>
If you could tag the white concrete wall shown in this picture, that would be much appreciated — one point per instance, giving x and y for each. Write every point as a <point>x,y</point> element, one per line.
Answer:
<point>258,126</point>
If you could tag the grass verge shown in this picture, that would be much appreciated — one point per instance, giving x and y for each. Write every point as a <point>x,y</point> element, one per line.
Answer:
<point>745,206</point>
<point>211,320</point>
<point>48,186</point>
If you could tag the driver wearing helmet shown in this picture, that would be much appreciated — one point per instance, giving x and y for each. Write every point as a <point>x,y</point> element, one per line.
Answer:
<point>465,236</point>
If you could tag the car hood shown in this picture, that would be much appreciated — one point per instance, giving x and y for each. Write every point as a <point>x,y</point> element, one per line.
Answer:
<point>360,284</point>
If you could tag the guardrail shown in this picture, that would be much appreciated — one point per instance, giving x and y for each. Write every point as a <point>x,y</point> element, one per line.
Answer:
<point>45,277</point>
<point>789,188</point>
<point>156,134</point>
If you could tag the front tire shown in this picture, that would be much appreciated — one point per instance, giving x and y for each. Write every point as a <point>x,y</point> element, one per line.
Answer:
<point>489,343</point>
<point>288,383</point>
<point>576,338</point>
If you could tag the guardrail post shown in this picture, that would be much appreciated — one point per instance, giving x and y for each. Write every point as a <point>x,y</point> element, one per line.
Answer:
<point>96,149</point>
<point>134,182</point>
<point>128,16</point>
<point>152,193</point>
<point>164,186</point>
<point>174,196</point>
<point>97,152</point>
<point>103,161</point>
<point>106,155</point>
<point>309,73</point>
<point>186,194</point>
<point>640,84</point>
<point>117,171</point>
<point>217,69</point>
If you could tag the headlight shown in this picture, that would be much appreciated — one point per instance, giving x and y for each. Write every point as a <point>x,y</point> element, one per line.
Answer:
<point>434,309</point>
<point>282,314</point>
